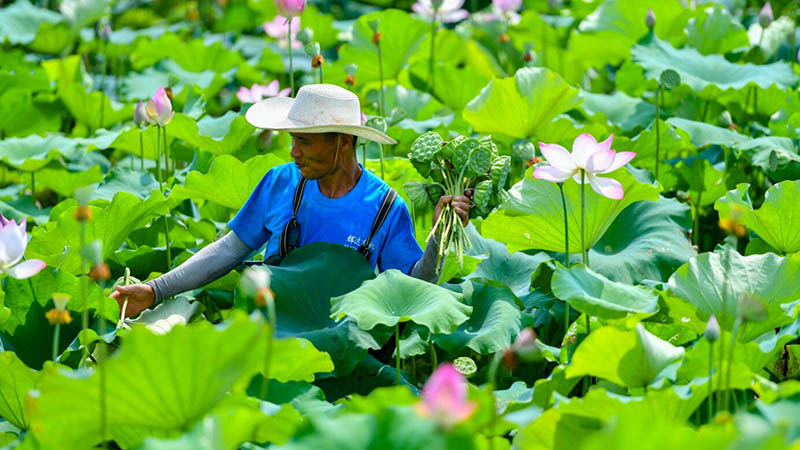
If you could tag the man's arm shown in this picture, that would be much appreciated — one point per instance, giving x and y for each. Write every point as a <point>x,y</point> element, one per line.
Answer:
<point>425,268</point>
<point>210,263</point>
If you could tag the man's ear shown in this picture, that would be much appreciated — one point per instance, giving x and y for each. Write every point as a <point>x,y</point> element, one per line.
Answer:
<point>346,140</point>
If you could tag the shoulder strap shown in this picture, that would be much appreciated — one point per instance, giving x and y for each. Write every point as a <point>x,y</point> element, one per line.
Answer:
<point>383,212</point>
<point>290,236</point>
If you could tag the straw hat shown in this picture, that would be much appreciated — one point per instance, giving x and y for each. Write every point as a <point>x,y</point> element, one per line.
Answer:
<point>318,108</point>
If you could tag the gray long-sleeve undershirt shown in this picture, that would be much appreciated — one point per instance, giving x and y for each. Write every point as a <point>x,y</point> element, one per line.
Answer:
<point>223,255</point>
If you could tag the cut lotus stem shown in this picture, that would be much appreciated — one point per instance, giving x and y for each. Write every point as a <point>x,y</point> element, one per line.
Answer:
<point>56,338</point>
<point>397,353</point>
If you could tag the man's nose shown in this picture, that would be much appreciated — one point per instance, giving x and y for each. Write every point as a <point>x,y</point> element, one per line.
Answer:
<point>295,152</point>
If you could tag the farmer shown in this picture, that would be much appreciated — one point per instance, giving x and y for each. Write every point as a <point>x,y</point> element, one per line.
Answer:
<point>324,195</point>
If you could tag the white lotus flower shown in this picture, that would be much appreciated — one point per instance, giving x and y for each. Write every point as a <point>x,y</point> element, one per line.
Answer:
<point>13,240</point>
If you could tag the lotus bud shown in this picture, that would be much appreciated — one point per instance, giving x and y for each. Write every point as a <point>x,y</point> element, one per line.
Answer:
<point>650,19</point>
<point>725,119</point>
<point>290,8</point>
<point>305,35</point>
<point>312,49</point>
<point>798,55</point>
<point>752,308</point>
<point>351,69</point>
<point>712,329</point>
<point>765,17</point>
<point>159,108</point>
<point>525,346</point>
<point>140,115</point>
<point>100,272</point>
<point>60,300</point>
<point>444,397</point>
<point>507,5</point>
<point>317,61</point>
<point>253,280</point>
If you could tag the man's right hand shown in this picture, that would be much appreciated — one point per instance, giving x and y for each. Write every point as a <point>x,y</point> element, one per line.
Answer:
<point>140,297</point>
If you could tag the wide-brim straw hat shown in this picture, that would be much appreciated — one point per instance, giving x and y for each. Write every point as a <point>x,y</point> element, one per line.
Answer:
<point>318,108</point>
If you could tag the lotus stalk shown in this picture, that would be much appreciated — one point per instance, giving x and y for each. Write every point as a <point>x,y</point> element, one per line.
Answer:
<point>141,120</point>
<point>100,273</point>
<point>291,9</point>
<point>566,251</point>
<point>711,334</point>
<point>435,10</point>
<point>376,40</point>
<point>397,353</point>
<point>159,111</point>
<point>255,284</point>
<point>57,316</point>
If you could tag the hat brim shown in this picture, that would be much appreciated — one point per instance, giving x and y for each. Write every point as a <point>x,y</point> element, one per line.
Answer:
<point>273,114</point>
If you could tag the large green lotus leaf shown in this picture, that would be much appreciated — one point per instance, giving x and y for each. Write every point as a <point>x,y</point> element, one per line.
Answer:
<point>27,329</point>
<point>86,107</point>
<point>229,182</point>
<point>647,241</point>
<point>533,218</point>
<point>56,242</point>
<point>401,34</point>
<point>81,13</point>
<point>708,75</point>
<point>714,282</point>
<point>304,284</point>
<point>23,207</point>
<point>194,56</point>
<point>716,32</point>
<point>220,135</point>
<point>704,182</point>
<point>157,385</point>
<point>122,179</point>
<point>453,86</point>
<point>16,379</point>
<point>21,115</point>
<point>64,182</point>
<point>618,24</point>
<point>295,359</point>
<point>33,152</point>
<point>493,324</point>
<point>394,297</point>
<point>703,134</point>
<point>166,73</point>
<point>235,420</point>
<point>147,147</point>
<point>577,421</point>
<point>632,358</point>
<point>618,109</point>
<point>593,294</point>
<point>775,221</point>
<point>521,106</point>
<point>20,21</point>
<point>512,269</point>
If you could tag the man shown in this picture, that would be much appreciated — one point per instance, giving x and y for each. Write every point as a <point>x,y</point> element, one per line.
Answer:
<point>324,195</point>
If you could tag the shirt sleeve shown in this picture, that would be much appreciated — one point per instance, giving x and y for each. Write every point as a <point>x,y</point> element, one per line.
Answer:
<point>248,224</point>
<point>400,249</point>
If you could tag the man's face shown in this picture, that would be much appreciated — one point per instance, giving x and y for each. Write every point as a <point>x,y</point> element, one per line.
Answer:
<point>313,153</point>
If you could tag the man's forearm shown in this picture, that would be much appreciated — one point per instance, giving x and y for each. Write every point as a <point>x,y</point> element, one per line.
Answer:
<point>425,268</point>
<point>205,266</point>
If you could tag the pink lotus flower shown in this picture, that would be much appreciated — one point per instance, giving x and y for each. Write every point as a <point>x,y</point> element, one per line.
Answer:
<point>449,11</point>
<point>507,5</point>
<point>140,115</point>
<point>279,30</point>
<point>363,118</point>
<point>290,8</point>
<point>765,16</point>
<point>257,92</point>
<point>444,397</point>
<point>589,156</point>
<point>159,108</point>
<point>13,240</point>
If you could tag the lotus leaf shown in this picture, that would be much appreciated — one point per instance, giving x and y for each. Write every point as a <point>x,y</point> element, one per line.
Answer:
<point>16,379</point>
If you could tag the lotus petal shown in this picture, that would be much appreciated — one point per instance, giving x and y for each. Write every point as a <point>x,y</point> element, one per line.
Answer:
<point>600,161</point>
<point>620,159</point>
<point>607,187</point>
<point>551,173</point>
<point>26,269</point>
<point>558,157</point>
<point>583,147</point>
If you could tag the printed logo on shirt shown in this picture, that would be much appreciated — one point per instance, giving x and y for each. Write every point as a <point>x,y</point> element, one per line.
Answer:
<point>356,242</point>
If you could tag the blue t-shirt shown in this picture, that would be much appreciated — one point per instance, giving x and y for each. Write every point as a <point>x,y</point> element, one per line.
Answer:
<point>345,220</point>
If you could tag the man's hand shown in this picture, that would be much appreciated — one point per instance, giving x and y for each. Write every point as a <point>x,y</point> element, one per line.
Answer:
<point>140,297</point>
<point>461,203</point>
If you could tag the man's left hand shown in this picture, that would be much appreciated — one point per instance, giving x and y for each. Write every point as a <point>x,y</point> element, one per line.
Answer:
<point>461,203</point>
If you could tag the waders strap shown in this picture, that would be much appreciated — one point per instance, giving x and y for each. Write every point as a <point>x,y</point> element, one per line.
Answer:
<point>290,236</point>
<point>383,212</point>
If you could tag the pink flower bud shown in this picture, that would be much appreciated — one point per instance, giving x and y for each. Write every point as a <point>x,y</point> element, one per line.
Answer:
<point>290,8</point>
<point>140,115</point>
<point>507,5</point>
<point>765,17</point>
<point>444,397</point>
<point>159,108</point>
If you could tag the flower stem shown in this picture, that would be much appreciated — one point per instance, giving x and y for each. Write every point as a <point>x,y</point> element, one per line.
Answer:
<point>434,360</point>
<point>270,340</point>
<point>33,187</point>
<point>320,74</point>
<point>566,252</point>
<point>584,252</point>
<point>56,338</point>
<point>141,149</point>
<point>397,353</point>
<point>727,394</point>
<point>158,161</point>
<point>380,149</point>
<point>433,48</point>
<point>84,289</point>
<point>380,77</point>
<point>710,384</point>
<point>291,62</point>
<point>696,224</point>
<point>658,133</point>
<point>166,154</point>
<point>492,378</point>
<point>103,353</point>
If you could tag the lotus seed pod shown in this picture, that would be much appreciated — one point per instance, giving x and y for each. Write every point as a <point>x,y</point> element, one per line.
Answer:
<point>522,150</point>
<point>317,61</point>
<point>83,214</point>
<point>465,366</point>
<point>60,300</point>
<point>503,38</point>
<point>670,79</point>
<point>100,272</point>
<point>376,37</point>
<point>712,329</point>
<point>765,17</point>
<point>426,146</point>
<point>378,123</point>
<point>312,49</point>
<point>351,69</point>
<point>350,80</point>
<point>306,35</point>
<point>650,19</point>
